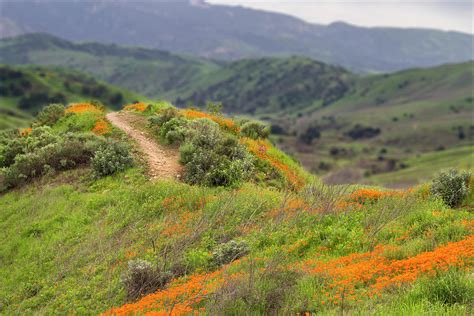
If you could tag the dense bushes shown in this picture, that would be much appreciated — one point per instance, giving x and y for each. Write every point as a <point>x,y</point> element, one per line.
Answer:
<point>43,152</point>
<point>49,115</point>
<point>111,157</point>
<point>255,130</point>
<point>451,186</point>
<point>212,158</point>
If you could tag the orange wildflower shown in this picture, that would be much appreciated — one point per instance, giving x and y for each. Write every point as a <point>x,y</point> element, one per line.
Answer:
<point>25,131</point>
<point>139,106</point>
<point>373,269</point>
<point>82,108</point>
<point>261,149</point>
<point>223,122</point>
<point>101,127</point>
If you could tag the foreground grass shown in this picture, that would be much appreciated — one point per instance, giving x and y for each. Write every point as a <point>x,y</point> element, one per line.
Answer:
<point>65,246</point>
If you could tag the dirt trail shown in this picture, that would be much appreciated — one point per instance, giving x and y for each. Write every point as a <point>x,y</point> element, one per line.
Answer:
<point>162,161</point>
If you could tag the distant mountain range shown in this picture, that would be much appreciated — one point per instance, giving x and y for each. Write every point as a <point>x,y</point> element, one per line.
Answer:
<point>229,33</point>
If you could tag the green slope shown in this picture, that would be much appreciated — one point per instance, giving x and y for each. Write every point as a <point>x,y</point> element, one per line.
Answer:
<point>269,85</point>
<point>150,72</point>
<point>415,111</point>
<point>25,90</point>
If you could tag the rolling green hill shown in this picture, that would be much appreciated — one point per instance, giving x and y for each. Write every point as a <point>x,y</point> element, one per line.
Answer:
<point>150,72</point>
<point>25,90</point>
<point>85,228</point>
<point>383,120</point>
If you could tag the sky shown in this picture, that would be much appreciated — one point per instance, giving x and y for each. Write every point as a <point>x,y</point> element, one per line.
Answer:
<point>439,14</point>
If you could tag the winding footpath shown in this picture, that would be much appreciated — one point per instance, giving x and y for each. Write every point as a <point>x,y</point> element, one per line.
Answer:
<point>162,162</point>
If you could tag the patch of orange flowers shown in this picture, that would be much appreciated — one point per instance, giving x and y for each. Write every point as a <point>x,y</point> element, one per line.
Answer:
<point>223,122</point>
<point>180,297</point>
<point>363,196</point>
<point>354,272</point>
<point>25,131</point>
<point>139,106</point>
<point>101,127</point>
<point>261,149</point>
<point>82,108</point>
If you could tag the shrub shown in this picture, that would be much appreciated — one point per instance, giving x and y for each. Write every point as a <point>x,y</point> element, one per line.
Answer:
<point>49,115</point>
<point>174,130</point>
<point>212,158</point>
<point>255,130</point>
<point>142,278</point>
<point>43,153</point>
<point>230,251</point>
<point>111,157</point>
<point>452,186</point>
<point>164,116</point>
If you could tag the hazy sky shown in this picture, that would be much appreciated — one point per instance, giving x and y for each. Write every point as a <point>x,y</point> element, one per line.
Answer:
<point>440,14</point>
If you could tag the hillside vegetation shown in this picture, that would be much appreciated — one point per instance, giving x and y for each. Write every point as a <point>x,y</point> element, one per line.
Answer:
<point>150,72</point>
<point>246,231</point>
<point>24,91</point>
<point>234,32</point>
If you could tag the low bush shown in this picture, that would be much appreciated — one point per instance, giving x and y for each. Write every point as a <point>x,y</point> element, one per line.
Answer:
<point>156,121</point>
<point>212,158</point>
<point>111,157</point>
<point>230,251</point>
<point>174,130</point>
<point>142,278</point>
<point>42,153</point>
<point>255,130</point>
<point>49,115</point>
<point>452,186</point>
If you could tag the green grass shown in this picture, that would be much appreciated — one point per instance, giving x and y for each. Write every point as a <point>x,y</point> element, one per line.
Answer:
<point>41,86</point>
<point>424,167</point>
<point>67,240</point>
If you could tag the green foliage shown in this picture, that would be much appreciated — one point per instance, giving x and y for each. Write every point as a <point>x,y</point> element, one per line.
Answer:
<point>174,130</point>
<point>111,157</point>
<point>42,153</point>
<point>212,158</point>
<point>49,115</point>
<point>255,130</point>
<point>214,108</point>
<point>452,186</point>
<point>229,251</point>
<point>156,121</point>
<point>450,288</point>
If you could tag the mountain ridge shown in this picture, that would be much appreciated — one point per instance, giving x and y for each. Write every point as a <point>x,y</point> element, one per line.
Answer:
<point>229,33</point>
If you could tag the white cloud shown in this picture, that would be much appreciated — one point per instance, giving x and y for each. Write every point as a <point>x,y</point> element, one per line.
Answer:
<point>446,15</point>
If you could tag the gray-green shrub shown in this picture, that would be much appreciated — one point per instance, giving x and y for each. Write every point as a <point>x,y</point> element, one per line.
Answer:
<point>49,115</point>
<point>174,130</point>
<point>230,251</point>
<point>111,157</point>
<point>42,153</point>
<point>452,186</point>
<point>255,130</point>
<point>142,278</point>
<point>212,158</point>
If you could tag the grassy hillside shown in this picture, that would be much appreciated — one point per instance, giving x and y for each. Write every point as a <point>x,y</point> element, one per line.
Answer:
<point>150,72</point>
<point>270,85</point>
<point>25,90</point>
<point>121,244</point>
<point>382,121</point>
